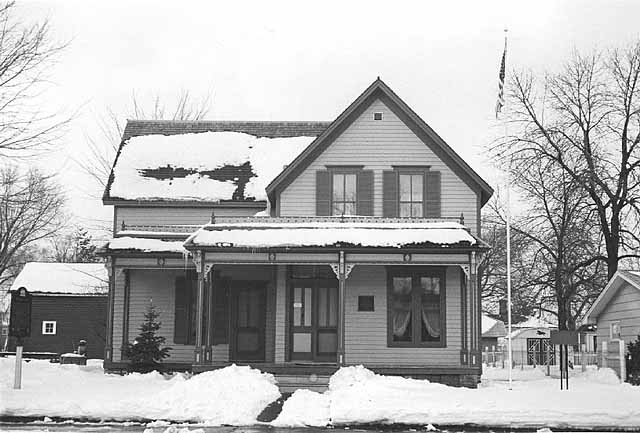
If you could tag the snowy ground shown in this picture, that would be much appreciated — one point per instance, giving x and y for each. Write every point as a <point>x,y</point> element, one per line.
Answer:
<point>236,395</point>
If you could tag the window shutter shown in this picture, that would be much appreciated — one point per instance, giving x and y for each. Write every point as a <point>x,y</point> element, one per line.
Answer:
<point>365,192</point>
<point>432,197</point>
<point>323,193</point>
<point>181,325</point>
<point>389,194</point>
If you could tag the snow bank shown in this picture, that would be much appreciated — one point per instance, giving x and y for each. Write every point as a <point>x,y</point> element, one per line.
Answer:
<point>233,395</point>
<point>199,153</point>
<point>358,396</point>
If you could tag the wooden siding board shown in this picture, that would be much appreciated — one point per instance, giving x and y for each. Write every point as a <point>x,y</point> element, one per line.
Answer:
<point>366,332</point>
<point>379,145</point>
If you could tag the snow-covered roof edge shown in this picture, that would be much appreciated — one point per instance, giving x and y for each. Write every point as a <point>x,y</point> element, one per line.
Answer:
<point>629,276</point>
<point>52,278</point>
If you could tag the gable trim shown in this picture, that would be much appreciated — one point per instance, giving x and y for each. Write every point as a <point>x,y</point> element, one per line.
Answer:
<point>607,294</point>
<point>379,90</point>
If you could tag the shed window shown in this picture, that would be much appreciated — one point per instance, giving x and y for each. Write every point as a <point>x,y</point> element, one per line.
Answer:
<point>48,327</point>
<point>416,303</point>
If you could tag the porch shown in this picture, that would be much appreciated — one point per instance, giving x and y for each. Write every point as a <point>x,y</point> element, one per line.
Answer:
<point>301,313</point>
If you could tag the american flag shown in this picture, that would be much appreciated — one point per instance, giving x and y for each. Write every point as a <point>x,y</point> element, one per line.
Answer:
<point>500,101</point>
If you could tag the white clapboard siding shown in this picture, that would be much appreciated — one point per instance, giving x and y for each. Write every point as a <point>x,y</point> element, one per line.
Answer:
<point>624,307</point>
<point>366,332</point>
<point>378,145</point>
<point>158,216</point>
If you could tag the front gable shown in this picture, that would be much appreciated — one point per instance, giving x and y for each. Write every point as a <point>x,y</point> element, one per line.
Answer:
<point>360,139</point>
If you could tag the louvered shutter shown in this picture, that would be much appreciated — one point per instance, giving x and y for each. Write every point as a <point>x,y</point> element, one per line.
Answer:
<point>365,193</point>
<point>182,302</point>
<point>323,193</point>
<point>389,194</point>
<point>432,197</point>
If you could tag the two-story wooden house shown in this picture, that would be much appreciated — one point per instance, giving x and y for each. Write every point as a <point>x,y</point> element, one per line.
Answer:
<point>364,249</point>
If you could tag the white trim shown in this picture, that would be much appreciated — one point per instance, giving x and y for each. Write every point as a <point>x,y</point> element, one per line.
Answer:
<point>595,306</point>
<point>44,327</point>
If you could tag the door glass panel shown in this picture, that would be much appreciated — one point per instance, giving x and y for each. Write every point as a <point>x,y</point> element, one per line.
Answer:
<point>307,306</point>
<point>401,309</point>
<point>297,306</point>
<point>322,306</point>
<point>301,342</point>
<point>338,187</point>
<point>416,187</point>
<point>333,306</point>
<point>350,187</point>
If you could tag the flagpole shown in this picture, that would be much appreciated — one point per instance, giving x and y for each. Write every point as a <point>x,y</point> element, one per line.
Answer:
<point>508,234</point>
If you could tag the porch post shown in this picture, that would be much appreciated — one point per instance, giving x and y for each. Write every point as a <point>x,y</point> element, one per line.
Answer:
<point>474,354</point>
<point>210,287</point>
<point>342,280</point>
<point>125,312</point>
<point>198,350</point>
<point>108,348</point>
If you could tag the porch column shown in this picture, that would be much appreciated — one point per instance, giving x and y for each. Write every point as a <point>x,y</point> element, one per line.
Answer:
<point>198,259</point>
<point>210,298</point>
<point>342,271</point>
<point>475,357</point>
<point>125,312</point>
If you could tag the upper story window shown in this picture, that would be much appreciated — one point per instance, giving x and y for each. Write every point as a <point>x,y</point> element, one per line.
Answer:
<point>411,187</point>
<point>344,197</point>
<point>416,302</point>
<point>48,327</point>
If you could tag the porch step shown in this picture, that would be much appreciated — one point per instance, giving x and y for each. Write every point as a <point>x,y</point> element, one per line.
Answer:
<point>288,383</point>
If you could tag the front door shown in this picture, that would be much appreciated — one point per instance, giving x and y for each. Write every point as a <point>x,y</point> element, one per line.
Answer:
<point>313,312</point>
<point>247,320</point>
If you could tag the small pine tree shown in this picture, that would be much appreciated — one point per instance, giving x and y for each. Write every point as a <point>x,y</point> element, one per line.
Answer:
<point>145,353</point>
<point>633,362</point>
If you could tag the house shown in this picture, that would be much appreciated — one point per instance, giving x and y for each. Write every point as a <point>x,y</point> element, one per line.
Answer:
<point>531,342</point>
<point>616,312</point>
<point>367,253</point>
<point>68,304</point>
<point>492,331</point>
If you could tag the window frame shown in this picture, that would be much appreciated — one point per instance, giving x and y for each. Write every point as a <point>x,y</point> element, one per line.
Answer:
<point>613,324</point>
<point>415,272</point>
<point>48,322</point>
<point>421,170</point>
<point>344,170</point>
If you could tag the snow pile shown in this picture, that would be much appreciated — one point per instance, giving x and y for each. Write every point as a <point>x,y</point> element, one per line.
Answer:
<point>266,235</point>
<point>358,396</point>
<point>146,245</point>
<point>233,395</point>
<point>68,278</point>
<point>199,153</point>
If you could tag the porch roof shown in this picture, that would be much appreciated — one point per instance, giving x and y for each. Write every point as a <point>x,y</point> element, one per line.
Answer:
<point>333,233</point>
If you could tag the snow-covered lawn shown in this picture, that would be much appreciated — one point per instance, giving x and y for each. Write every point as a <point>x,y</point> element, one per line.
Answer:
<point>236,395</point>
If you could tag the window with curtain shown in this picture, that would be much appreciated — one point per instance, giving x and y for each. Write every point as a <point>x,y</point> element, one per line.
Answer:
<point>416,307</point>
<point>411,187</point>
<point>343,199</point>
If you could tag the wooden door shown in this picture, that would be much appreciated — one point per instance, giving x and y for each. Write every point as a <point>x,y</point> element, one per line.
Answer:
<point>247,321</point>
<point>313,313</point>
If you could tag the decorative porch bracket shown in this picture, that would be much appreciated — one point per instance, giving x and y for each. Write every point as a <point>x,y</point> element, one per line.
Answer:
<point>342,271</point>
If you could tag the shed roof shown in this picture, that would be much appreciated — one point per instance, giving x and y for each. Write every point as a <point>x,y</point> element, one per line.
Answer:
<point>63,278</point>
<point>492,328</point>
<point>632,277</point>
<point>203,161</point>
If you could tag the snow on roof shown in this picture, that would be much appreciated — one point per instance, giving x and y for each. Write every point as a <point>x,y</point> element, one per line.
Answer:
<point>492,327</point>
<point>207,166</point>
<point>309,234</point>
<point>63,278</point>
<point>127,243</point>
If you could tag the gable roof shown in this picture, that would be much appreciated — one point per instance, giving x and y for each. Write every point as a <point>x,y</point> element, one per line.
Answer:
<point>225,145</point>
<point>609,291</point>
<point>492,328</point>
<point>379,90</point>
<point>63,278</point>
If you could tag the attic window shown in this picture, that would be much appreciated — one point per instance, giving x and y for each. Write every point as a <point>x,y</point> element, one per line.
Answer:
<point>377,116</point>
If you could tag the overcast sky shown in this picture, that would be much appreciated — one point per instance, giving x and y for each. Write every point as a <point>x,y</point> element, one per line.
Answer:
<point>301,60</point>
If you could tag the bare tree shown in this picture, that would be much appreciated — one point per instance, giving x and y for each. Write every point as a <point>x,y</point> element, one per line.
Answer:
<point>26,53</point>
<point>73,246</point>
<point>101,150</point>
<point>586,120</point>
<point>31,209</point>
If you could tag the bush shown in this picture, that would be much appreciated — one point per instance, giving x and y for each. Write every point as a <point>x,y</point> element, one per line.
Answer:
<point>145,354</point>
<point>633,362</point>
